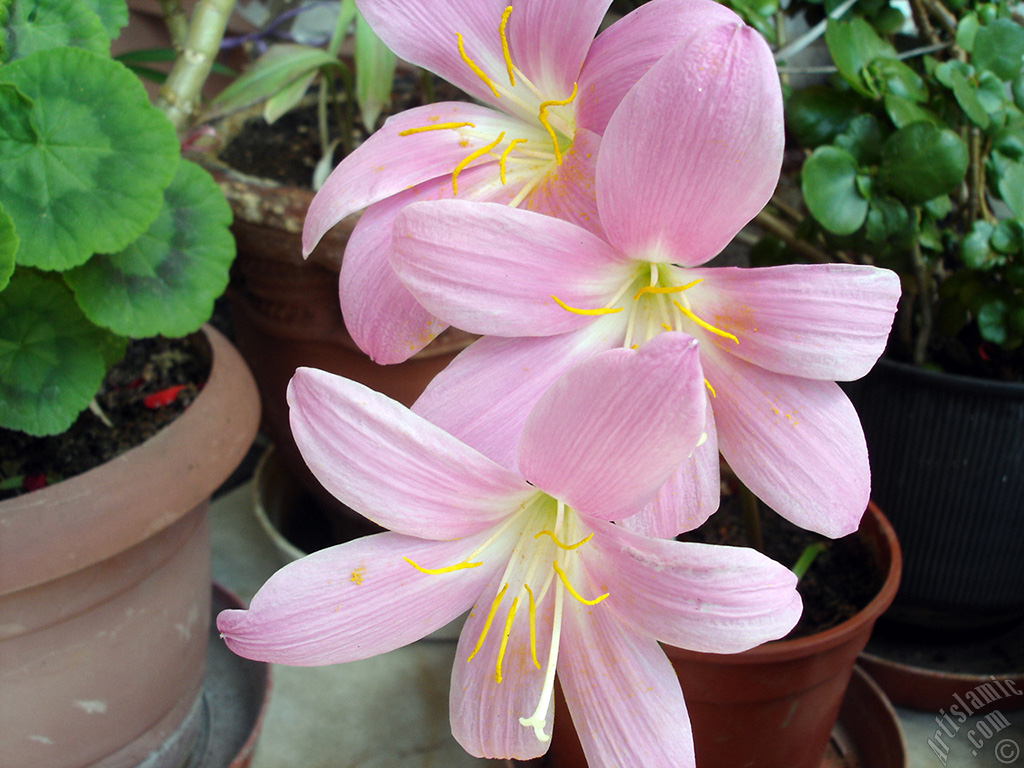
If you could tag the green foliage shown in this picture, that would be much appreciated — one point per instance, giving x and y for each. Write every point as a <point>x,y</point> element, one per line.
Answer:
<point>915,160</point>
<point>105,233</point>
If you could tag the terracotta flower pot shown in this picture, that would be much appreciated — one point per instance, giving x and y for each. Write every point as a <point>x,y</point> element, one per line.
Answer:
<point>286,313</point>
<point>105,591</point>
<point>773,706</point>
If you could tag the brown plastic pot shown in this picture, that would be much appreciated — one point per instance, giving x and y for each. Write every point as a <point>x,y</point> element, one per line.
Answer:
<point>773,706</point>
<point>286,313</point>
<point>105,590</point>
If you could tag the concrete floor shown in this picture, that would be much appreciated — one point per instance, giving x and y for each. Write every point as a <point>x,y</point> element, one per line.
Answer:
<point>392,711</point>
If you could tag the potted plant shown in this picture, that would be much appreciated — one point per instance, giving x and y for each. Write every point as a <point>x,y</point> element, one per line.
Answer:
<point>910,157</point>
<point>109,238</point>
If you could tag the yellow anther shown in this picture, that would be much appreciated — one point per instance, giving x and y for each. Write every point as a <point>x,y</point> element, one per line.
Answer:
<point>705,325</point>
<point>710,388</point>
<point>569,588</point>
<point>543,118</point>
<point>436,571</point>
<point>434,127</point>
<point>575,311</point>
<point>666,288</point>
<point>504,638</point>
<point>560,545</point>
<point>666,326</point>
<point>504,46</point>
<point>505,154</point>
<point>487,622</point>
<point>533,626</point>
<point>476,70</point>
<point>470,158</point>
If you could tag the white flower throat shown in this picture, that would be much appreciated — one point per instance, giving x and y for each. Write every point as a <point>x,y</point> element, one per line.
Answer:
<point>545,132</point>
<point>549,541</point>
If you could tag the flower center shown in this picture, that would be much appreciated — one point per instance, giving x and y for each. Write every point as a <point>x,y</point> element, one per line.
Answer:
<point>541,570</point>
<point>547,130</point>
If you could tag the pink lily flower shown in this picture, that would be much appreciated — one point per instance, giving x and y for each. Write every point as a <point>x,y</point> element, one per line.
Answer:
<point>691,154</point>
<point>552,584</point>
<point>551,88</point>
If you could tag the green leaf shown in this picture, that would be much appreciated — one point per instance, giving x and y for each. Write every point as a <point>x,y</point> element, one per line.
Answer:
<point>52,359</point>
<point>967,98</point>
<point>992,317</point>
<point>966,30</point>
<point>166,281</point>
<point>921,161</point>
<point>1018,91</point>
<point>1008,236</point>
<point>113,14</point>
<point>998,47</point>
<point>862,139</point>
<point>375,73</point>
<point>974,249</point>
<point>1011,186</point>
<point>829,185</point>
<point>277,68</point>
<point>289,97</point>
<point>38,25</point>
<point>901,80</point>
<point>854,45</point>
<point>93,177</point>
<point>8,247</point>
<point>903,111</point>
<point>886,218</point>
<point>815,115</point>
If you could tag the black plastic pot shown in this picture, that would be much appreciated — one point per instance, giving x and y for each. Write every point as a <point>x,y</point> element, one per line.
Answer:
<point>947,463</point>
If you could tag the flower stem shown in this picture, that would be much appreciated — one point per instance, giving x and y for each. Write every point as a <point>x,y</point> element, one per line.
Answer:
<point>751,518</point>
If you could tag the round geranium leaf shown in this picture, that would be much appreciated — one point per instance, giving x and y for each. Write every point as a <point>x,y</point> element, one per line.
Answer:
<point>113,14</point>
<point>164,282</point>
<point>93,178</point>
<point>998,47</point>
<point>52,359</point>
<point>829,184</point>
<point>38,25</point>
<point>921,161</point>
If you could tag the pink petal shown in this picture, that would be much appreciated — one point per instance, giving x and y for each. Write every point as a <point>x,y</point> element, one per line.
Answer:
<point>387,162</point>
<point>698,596</point>
<point>690,496</point>
<point>492,269</point>
<point>820,321</point>
<point>624,52</point>
<point>694,150</point>
<point>796,443</point>
<point>622,693</point>
<point>568,192</point>
<point>484,713</point>
<point>355,600</point>
<point>610,432</point>
<point>391,465</point>
<point>484,395</point>
<point>549,41</point>
<point>383,318</point>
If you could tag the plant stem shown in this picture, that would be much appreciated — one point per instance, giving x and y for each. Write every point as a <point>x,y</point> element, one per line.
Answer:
<point>924,26</point>
<point>179,95</point>
<point>787,234</point>
<point>176,22</point>
<point>946,18</point>
<point>924,295</point>
<point>806,559</point>
<point>751,518</point>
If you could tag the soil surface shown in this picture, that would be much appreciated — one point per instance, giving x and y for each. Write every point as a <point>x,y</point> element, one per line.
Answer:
<point>151,386</point>
<point>841,581</point>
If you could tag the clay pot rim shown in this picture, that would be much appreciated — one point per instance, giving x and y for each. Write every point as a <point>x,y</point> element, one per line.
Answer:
<point>974,385</point>
<point>782,650</point>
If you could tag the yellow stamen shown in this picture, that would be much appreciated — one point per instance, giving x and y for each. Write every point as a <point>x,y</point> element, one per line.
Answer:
<point>706,326</point>
<point>559,544</point>
<point>666,326</point>
<point>504,46</point>
<point>666,289</point>
<point>505,154</point>
<point>434,127</point>
<point>476,70</point>
<point>487,622</point>
<point>533,626</point>
<point>470,158</point>
<point>569,588</point>
<point>575,311</point>
<point>504,638</point>
<point>710,388</point>
<point>446,569</point>
<point>542,116</point>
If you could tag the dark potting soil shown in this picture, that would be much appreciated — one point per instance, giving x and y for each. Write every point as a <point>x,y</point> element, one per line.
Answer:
<point>151,386</point>
<point>841,581</point>
<point>288,150</point>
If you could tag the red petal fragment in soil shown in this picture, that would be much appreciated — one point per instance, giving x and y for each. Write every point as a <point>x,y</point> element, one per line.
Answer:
<point>34,482</point>
<point>163,397</point>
